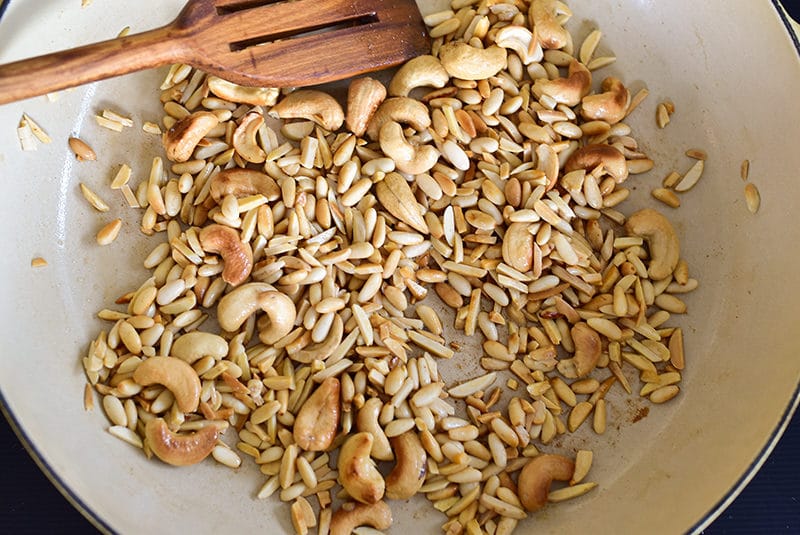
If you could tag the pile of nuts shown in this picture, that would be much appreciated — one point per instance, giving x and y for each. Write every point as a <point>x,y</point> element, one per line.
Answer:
<point>486,177</point>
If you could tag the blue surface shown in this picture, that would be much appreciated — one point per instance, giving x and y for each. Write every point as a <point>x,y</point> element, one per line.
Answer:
<point>769,504</point>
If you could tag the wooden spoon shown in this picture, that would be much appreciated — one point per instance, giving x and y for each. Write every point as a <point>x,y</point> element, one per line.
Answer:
<point>266,43</point>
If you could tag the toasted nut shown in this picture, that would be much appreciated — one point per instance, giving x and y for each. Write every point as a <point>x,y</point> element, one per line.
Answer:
<point>422,71</point>
<point>180,450</point>
<point>591,156</point>
<point>569,90</point>
<point>395,195</point>
<point>543,17</point>
<point>403,110</point>
<point>312,105</point>
<point>520,40</point>
<point>363,98</point>
<point>195,345</point>
<point>81,149</point>
<point>242,183</point>
<point>538,474</point>
<point>236,306</point>
<point>518,247</point>
<point>109,232</point>
<point>664,247</point>
<point>609,106</point>
<point>357,472</point>
<point>281,311</point>
<point>408,474</point>
<point>321,350</point>
<point>175,374</point>
<point>315,425</point>
<point>181,140</point>
<point>466,62</point>
<point>408,158</point>
<point>257,96</point>
<point>345,521</point>
<point>244,138</point>
<point>587,352</point>
<point>237,255</point>
<point>367,421</point>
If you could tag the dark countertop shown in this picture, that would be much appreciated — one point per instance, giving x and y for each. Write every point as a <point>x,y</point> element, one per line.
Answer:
<point>30,504</point>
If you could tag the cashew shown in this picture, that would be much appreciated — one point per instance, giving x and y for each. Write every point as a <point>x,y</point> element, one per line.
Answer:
<point>378,515</point>
<point>520,40</point>
<point>175,374</point>
<point>543,19</point>
<point>569,90</point>
<point>316,422</point>
<point>517,247</point>
<point>422,71</point>
<point>662,241</point>
<point>587,352</point>
<point>536,477</point>
<point>195,345</point>
<point>180,140</point>
<point>357,472</point>
<point>323,349</point>
<point>257,96</point>
<point>409,473</point>
<point>180,450</point>
<point>396,196</point>
<point>310,104</point>
<point>281,311</point>
<point>244,138</point>
<point>236,306</point>
<point>466,62</point>
<point>242,182</point>
<point>408,158</point>
<point>610,106</point>
<point>402,110</point>
<point>367,420</point>
<point>237,255</point>
<point>591,156</point>
<point>363,97</point>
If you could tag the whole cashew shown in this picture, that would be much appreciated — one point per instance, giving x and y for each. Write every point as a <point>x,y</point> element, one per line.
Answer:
<point>363,97</point>
<point>520,40</point>
<point>408,158</point>
<point>316,423</point>
<point>175,374</point>
<point>310,104</point>
<point>517,247</point>
<point>237,255</point>
<point>569,90</point>
<point>662,241</point>
<point>281,311</point>
<point>378,515</point>
<point>367,421</point>
<point>402,110</point>
<point>195,345</point>
<point>588,347</point>
<point>179,450</point>
<point>357,472</point>
<point>244,138</point>
<point>543,19</point>
<point>180,140</point>
<point>408,474</point>
<point>536,477</point>
<point>466,62</point>
<point>610,106</point>
<point>257,96</point>
<point>590,156</point>
<point>422,71</point>
<point>236,306</point>
<point>242,182</point>
<point>321,350</point>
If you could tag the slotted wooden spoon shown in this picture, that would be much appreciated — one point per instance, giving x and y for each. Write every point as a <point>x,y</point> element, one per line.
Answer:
<point>267,43</point>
